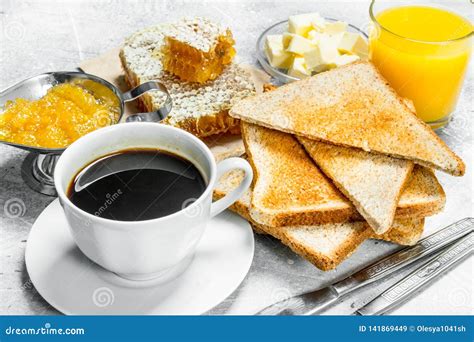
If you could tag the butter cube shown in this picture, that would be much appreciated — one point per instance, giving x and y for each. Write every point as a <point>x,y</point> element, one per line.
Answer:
<point>318,23</point>
<point>328,47</point>
<point>314,36</point>
<point>353,43</point>
<point>298,68</point>
<point>336,38</point>
<point>274,40</point>
<point>287,37</point>
<point>299,45</point>
<point>301,24</point>
<point>335,27</point>
<point>276,54</point>
<point>346,59</point>
<point>313,58</point>
<point>323,67</point>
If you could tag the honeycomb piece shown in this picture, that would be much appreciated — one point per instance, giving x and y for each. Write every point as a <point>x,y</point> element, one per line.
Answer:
<point>197,50</point>
<point>201,109</point>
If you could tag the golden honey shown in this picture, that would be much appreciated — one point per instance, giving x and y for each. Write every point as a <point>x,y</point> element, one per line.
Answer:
<point>198,51</point>
<point>63,115</point>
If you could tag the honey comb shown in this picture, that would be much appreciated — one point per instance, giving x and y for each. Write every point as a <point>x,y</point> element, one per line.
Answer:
<point>197,50</point>
<point>201,109</point>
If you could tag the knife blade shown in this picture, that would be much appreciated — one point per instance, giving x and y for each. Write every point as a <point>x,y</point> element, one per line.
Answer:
<point>408,286</point>
<point>313,302</point>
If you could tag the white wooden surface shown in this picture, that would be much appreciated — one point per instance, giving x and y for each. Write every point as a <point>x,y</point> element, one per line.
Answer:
<point>40,36</point>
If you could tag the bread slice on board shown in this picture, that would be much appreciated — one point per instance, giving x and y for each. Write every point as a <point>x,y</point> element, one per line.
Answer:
<point>289,189</point>
<point>324,245</point>
<point>372,182</point>
<point>201,109</point>
<point>352,105</point>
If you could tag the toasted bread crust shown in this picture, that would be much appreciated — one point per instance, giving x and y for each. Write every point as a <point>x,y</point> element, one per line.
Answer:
<point>334,215</point>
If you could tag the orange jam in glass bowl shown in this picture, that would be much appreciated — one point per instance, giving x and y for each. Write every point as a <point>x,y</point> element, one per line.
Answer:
<point>64,114</point>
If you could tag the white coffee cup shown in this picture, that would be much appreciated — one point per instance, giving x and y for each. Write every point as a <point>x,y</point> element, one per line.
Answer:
<point>158,248</point>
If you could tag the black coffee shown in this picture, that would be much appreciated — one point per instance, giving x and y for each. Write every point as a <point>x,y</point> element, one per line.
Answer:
<point>134,185</point>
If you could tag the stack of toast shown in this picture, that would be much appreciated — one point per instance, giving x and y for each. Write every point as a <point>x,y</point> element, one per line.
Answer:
<point>338,158</point>
<point>193,59</point>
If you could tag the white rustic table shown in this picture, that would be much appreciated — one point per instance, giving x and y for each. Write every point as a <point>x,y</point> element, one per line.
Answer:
<point>41,36</point>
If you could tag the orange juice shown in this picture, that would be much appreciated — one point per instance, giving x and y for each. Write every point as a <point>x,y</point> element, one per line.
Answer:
<point>424,53</point>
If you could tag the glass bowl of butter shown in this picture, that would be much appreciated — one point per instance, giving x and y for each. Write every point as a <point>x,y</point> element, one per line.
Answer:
<point>307,44</point>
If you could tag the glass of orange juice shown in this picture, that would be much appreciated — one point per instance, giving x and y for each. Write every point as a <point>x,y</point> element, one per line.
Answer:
<point>423,51</point>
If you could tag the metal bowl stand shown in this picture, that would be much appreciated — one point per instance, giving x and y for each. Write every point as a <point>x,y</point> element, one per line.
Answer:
<point>37,172</point>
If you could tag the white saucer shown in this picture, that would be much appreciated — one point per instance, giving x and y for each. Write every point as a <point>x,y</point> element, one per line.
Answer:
<point>73,284</point>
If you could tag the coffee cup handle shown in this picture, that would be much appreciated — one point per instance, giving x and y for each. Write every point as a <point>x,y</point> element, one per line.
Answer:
<point>224,167</point>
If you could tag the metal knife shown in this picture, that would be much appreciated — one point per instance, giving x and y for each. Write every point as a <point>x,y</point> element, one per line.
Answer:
<point>312,302</point>
<point>408,286</point>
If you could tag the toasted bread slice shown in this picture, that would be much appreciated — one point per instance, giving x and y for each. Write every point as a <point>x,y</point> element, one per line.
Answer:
<point>422,196</point>
<point>289,189</point>
<point>405,232</point>
<point>352,105</point>
<point>324,245</point>
<point>373,182</point>
<point>201,109</point>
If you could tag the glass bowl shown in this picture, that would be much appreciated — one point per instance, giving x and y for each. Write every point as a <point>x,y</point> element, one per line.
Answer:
<point>279,28</point>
